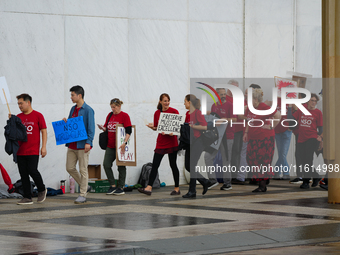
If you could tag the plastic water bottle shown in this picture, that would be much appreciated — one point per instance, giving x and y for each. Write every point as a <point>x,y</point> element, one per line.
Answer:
<point>72,185</point>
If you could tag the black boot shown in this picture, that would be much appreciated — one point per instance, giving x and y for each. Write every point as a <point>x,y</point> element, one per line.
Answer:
<point>205,183</point>
<point>190,195</point>
<point>262,186</point>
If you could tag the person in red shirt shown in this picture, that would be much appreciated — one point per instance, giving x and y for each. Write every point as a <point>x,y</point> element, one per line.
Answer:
<point>28,153</point>
<point>310,134</point>
<point>117,116</point>
<point>224,111</point>
<point>166,144</point>
<point>260,135</point>
<point>192,154</point>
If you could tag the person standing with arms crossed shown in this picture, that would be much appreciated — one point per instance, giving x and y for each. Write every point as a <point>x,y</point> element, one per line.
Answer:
<point>80,151</point>
<point>28,153</point>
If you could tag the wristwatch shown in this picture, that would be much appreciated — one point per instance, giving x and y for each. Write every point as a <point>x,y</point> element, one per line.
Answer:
<point>125,143</point>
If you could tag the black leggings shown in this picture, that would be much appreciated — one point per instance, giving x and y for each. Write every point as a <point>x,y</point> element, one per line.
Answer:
<point>191,159</point>
<point>157,159</point>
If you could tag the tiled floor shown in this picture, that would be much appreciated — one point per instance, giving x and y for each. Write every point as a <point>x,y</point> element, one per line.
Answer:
<point>283,220</point>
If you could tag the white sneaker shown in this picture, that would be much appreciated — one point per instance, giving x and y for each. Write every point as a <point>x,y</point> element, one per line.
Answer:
<point>80,200</point>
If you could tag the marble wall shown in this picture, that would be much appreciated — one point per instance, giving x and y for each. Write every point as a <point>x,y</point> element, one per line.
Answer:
<point>137,49</point>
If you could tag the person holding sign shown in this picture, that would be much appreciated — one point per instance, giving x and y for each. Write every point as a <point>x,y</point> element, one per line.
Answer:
<point>166,144</point>
<point>80,151</point>
<point>117,116</point>
<point>193,153</point>
<point>28,153</point>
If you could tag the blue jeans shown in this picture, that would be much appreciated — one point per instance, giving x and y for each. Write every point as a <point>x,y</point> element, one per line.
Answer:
<point>282,143</point>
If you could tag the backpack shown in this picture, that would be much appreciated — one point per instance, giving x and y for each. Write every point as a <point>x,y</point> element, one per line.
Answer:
<point>144,177</point>
<point>20,189</point>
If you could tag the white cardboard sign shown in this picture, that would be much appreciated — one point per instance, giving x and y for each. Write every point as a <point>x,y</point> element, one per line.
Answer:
<point>4,87</point>
<point>170,123</point>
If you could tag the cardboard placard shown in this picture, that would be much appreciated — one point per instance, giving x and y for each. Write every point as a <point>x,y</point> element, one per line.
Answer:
<point>301,81</point>
<point>170,123</point>
<point>284,83</point>
<point>71,131</point>
<point>129,158</point>
<point>4,91</point>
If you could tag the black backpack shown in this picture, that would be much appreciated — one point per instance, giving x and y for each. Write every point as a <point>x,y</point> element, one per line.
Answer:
<point>144,177</point>
<point>20,189</point>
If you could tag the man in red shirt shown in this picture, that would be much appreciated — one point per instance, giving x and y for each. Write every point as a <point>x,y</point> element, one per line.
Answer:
<point>28,153</point>
<point>224,111</point>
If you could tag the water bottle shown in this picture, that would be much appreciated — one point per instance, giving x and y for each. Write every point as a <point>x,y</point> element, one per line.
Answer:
<point>72,185</point>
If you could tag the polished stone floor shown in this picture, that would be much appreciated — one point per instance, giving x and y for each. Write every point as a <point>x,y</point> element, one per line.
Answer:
<point>283,220</point>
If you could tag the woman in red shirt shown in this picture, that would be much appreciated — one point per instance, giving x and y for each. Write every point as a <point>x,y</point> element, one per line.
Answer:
<point>260,136</point>
<point>166,144</point>
<point>193,153</point>
<point>117,116</point>
<point>310,133</point>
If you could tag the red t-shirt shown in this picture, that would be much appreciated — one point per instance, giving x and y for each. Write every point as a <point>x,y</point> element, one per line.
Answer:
<point>187,117</point>
<point>308,124</point>
<point>259,133</point>
<point>296,129</point>
<point>33,122</point>
<point>120,118</point>
<point>165,141</point>
<point>279,128</point>
<point>225,111</point>
<point>73,145</point>
<point>196,117</point>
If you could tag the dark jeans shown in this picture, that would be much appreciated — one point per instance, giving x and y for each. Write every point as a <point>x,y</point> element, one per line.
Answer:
<point>157,159</point>
<point>28,166</point>
<point>236,152</point>
<point>305,154</point>
<point>109,158</point>
<point>192,155</point>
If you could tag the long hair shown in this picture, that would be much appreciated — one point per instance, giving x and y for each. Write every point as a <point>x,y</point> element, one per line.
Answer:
<point>194,100</point>
<point>159,106</point>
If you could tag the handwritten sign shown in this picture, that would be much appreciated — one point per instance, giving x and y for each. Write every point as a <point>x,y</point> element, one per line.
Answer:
<point>285,83</point>
<point>129,157</point>
<point>71,131</point>
<point>4,89</point>
<point>170,123</point>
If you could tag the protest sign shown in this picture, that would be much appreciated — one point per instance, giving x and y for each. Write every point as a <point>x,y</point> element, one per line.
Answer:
<point>285,83</point>
<point>4,91</point>
<point>128,158</point>
<point>170,123</point>
<point>71,131</point>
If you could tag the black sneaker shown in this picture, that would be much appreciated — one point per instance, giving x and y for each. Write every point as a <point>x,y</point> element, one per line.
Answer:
<point>324,186</point>
<point>212,184</point>
<point>304,185</point>
<point>118,191</point>
<point>297,180</point>
<point>226,187</point>
<point>315,182</point>
<point>111,190</point>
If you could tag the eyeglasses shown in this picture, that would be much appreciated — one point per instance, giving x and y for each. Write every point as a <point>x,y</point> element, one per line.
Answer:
<point>115,101</point>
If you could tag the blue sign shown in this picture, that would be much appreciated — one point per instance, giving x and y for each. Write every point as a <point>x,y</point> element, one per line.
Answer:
<point>71,131</point>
